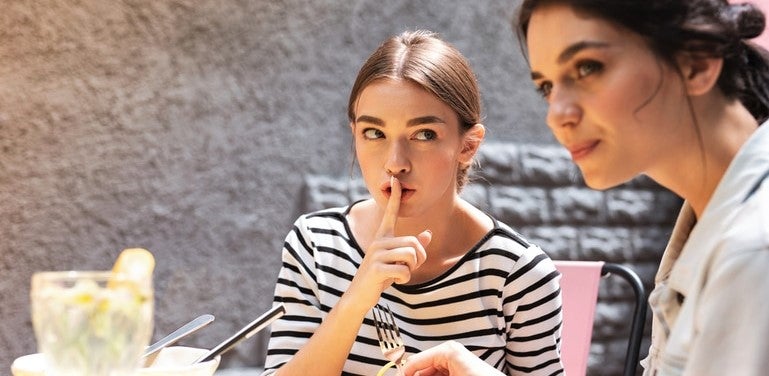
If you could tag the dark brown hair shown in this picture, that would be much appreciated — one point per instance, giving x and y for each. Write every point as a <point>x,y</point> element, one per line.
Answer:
<point>709,28</point>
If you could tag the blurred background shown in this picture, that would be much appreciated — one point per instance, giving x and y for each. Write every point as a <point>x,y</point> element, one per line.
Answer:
<point>201,129</point>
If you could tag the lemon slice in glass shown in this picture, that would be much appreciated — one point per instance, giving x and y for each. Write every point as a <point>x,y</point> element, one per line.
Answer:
<point>136,265</point>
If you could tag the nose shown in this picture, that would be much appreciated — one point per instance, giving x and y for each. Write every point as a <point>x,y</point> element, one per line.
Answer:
<point>563,110</point>
<point>397,161</point>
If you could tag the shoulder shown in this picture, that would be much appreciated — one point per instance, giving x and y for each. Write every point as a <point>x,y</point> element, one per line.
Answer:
<point>502,231</point>
<point>505,237</point>
<point>740,243</point>
<point>496,232</point>
<point>748,230</point>
<point>502,240</point>
<point>747,226</point>
<point>324,216</point>
<point>321,230</point>
<point>308,227</point>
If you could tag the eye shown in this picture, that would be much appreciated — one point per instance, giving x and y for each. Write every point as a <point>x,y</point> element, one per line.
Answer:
<point>588,67</point>
<point>426,135</point>
<point>372,133</point>
<point>545,88</point>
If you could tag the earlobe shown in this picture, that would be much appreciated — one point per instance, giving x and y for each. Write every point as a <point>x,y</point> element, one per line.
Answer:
<point>700,73</point>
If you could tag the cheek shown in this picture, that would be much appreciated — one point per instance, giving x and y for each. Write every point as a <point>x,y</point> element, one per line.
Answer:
<point>368,162</point>
<point>442,166</point>
<point>371,172</point>
<point>630,105</point>
<point>438,154</point>
<point>370,166</point>
<point>367,152</point>
<point>647,95</point>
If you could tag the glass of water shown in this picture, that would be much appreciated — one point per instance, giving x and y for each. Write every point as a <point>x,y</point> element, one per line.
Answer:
<point>90,323</point>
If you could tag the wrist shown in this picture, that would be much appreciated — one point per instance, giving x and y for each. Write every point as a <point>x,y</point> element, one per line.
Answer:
<point>350,305</point>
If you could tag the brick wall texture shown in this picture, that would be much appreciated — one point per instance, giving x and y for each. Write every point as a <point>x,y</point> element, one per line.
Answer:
<point>200,130</point>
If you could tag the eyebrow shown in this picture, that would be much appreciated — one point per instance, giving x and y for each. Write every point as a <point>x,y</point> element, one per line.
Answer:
<point>570,51</point>
<point>411,123</point>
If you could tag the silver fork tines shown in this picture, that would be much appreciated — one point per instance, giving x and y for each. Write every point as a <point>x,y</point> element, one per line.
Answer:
<point>390,341</point>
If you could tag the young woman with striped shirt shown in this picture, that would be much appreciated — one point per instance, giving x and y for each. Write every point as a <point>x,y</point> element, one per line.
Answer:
<point>447,270</point>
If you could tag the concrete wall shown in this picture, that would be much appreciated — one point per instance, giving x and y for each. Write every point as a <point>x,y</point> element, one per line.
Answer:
<point>191,128</point>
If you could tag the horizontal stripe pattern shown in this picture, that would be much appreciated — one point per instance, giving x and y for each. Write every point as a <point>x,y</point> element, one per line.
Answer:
<point>501,300</point>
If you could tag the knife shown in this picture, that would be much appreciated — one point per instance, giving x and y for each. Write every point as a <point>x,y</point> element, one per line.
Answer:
<point>176,335</point>
<point>246,332</point>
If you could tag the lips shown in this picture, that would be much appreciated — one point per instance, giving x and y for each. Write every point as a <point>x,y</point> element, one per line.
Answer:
<point>581,150</point>
<point>406,192</point>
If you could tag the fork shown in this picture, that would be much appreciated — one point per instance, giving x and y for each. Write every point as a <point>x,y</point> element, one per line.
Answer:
<point>390,341</point>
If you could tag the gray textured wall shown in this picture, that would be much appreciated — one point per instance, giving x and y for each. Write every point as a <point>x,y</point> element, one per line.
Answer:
<point>189,127</point>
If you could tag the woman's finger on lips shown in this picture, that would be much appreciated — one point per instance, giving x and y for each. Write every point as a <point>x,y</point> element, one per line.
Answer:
<point>387,226</point>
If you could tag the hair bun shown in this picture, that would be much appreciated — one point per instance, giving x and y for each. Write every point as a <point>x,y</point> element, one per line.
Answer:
<point>748,20</point>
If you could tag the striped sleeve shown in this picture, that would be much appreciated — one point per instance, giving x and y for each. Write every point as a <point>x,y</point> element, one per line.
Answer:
<point>298,290</point>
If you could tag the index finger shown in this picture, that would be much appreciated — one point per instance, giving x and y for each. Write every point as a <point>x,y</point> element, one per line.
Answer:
<point>387,227</point>
<point>428,362</point>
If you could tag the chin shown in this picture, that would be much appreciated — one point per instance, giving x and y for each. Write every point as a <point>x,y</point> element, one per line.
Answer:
<point>600,182</point>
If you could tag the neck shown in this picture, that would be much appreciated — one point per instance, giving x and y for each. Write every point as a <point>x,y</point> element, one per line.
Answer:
<point>439,220</point>
<point>694,171</point>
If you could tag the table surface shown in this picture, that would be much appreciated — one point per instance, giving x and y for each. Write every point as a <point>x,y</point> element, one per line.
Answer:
<point>239,372</point>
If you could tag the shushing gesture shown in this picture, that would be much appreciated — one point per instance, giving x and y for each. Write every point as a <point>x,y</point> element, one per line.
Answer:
<point>389,259</point>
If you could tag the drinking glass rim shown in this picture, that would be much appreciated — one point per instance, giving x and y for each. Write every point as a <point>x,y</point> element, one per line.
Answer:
<point>71,273</point>
<point>99,276</point>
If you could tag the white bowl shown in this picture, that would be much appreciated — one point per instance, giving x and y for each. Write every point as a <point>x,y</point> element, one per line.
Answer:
<point>29,365</point>
<point>171,361</point>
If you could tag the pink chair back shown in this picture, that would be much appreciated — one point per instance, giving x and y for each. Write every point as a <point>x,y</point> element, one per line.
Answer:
<point>579,291</point>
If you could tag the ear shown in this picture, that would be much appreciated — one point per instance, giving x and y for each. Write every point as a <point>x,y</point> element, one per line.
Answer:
<point>471,141</point>
<point>700,74</point>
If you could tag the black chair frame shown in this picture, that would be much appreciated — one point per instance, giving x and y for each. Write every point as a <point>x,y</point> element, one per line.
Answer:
<point>639,314</point>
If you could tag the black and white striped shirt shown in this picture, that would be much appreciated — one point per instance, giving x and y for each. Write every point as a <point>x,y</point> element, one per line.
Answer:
<point>501,300</point>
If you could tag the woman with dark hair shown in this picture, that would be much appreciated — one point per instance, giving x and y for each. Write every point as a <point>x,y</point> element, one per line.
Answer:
<point>447,270</point>
<point>672,89</point>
